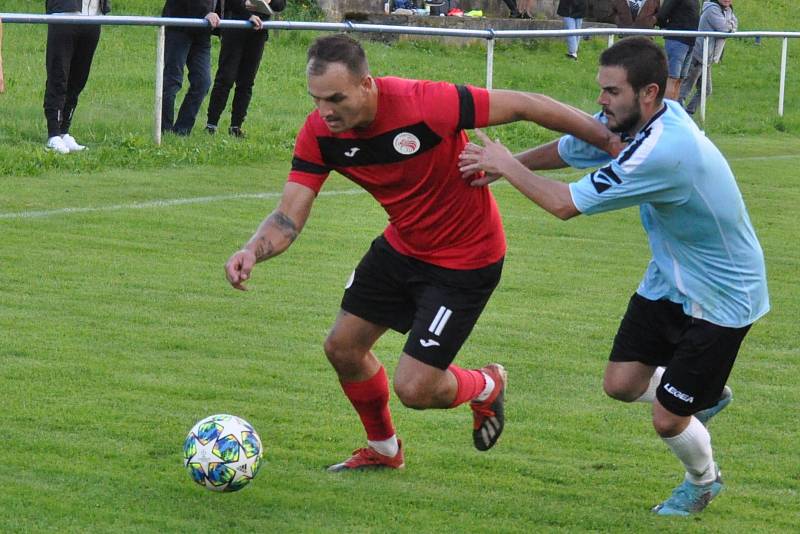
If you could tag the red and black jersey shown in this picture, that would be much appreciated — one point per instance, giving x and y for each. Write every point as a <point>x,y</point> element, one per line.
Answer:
<point>407,158</point>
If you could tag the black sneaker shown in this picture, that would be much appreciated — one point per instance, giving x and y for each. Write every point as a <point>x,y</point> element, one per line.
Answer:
<point>236,131</point>
<point>211,129</point>
<point>488,418</point>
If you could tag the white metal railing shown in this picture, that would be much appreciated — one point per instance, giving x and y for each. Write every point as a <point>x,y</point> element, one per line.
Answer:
<point>490,35</point>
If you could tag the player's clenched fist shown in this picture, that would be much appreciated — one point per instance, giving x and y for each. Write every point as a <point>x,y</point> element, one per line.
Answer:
<point>238,268</point>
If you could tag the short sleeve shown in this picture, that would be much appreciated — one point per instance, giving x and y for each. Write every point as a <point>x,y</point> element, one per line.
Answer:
<point>628,181</point>
<point>308,168</point>
<point>449,108</point>
<point>580,154</point>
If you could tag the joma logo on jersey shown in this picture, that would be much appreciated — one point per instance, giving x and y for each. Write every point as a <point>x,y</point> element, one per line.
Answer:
<point>352,152</point>
<point>406,143</point>
<point>672,390</point>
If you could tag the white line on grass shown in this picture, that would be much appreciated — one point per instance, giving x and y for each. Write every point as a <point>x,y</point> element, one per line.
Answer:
<point>160,204</point>
<point>243,196</point>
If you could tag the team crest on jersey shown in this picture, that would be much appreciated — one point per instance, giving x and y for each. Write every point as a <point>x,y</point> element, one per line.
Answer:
<point>406,143</point>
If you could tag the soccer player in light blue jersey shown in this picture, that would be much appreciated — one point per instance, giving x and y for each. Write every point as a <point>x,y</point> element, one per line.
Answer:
<point>705,284</point>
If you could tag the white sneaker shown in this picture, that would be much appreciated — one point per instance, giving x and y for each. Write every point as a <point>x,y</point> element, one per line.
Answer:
<point>57,144</point>
<point>72,144</point>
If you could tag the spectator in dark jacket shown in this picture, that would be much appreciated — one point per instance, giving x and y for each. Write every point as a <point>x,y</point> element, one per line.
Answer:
<point>239,59</point>
<point>715,16</point>
<point>678,15</point>
<point>70,50</point>
<point>572,11</point>
<point>189,48</point>
<point>635,13</point>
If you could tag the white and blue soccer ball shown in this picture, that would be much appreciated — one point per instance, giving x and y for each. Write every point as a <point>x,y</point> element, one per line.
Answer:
<point>222,452</point>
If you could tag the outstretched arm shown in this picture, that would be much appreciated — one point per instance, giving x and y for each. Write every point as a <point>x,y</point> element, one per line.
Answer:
<point>543,157</point>
<point>496,159</point>
<point>275,234</point>
<point>511,106</point>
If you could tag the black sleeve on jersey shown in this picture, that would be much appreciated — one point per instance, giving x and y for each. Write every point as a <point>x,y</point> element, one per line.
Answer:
<point>466,108</point>
<point>302,165</point>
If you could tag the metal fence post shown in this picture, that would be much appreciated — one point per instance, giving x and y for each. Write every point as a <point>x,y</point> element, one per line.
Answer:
<point>784,53</point>
<point>160,37</point>
<point>489,62</point>
<point>704,81</point>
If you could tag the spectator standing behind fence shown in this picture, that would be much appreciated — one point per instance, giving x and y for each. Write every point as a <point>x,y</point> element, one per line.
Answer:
<point>239,58</point>
<point>716,16</point>
<point>678,15</point>
<point>572,11</point>
<point>70,50</point>
<point>635,13</point>
<point>189,48</point>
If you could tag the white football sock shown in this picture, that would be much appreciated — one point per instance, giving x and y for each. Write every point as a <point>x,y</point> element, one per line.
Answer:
<point>693,448</point>
<point>650,393</point>
<point>387,447</point>
<point>487,389</point>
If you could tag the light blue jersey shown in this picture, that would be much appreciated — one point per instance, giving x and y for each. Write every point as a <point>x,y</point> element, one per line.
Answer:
<point>706,255</point>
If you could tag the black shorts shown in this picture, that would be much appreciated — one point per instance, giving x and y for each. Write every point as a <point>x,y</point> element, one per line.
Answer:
<point>438,306</point>
<point>698,355</point>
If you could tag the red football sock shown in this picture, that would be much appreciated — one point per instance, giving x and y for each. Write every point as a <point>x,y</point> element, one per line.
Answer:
<point>470,384</point>
<point>370,398</point>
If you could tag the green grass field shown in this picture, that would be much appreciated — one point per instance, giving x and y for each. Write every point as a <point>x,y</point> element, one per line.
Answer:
<point>118,330</point>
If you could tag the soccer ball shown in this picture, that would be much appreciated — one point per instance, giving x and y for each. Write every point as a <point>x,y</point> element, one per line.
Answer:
<point>222,452</point>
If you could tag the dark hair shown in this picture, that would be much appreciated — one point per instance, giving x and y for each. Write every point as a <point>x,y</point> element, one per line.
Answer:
<point>643,61</point>
<point>338,48</point>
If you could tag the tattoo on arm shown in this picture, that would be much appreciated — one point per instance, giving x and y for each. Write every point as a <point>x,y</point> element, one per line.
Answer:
<point>265,248</point>
<point>285,225</point>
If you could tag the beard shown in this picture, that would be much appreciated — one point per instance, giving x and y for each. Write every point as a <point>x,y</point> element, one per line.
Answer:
<point>628,122</point>
<point>627,119</point>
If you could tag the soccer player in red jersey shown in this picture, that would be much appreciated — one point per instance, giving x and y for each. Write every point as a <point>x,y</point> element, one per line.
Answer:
<point>436,264</point>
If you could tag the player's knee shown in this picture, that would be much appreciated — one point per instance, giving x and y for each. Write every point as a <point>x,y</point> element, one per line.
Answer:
<point>412,394</point>
<point>668,426</point>
<point>619,390</point>
<point>338,354</point>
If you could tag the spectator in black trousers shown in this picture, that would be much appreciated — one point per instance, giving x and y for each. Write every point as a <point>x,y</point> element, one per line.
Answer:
<point>190,48</point>
<point>70,50</point>
<point>239,59</point>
